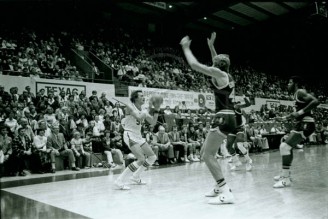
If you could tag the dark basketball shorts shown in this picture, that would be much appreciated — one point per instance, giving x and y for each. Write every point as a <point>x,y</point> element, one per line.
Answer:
<point>226,121</point>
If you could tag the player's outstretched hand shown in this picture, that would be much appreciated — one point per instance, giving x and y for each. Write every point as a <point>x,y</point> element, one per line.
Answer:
<point>210,41</point>
<point>185,42</point>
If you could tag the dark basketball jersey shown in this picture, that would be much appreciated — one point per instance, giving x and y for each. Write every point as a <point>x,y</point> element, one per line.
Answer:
<point>223,99</point>
<point>301,105</point>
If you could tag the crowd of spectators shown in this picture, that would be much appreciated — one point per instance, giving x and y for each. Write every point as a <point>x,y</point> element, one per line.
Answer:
<point>40,127</point>
<point>136,59</point>
<point>28,53</point>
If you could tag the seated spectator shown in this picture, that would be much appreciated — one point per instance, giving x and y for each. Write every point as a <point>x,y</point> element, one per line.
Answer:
<point>167,110</point>
<point>65,130</point>
<point>179,146</point>
<point>28,130</point>
<point>151,139</point>
<point>164,145</point>
<point>117,142</point>
<point>192,139</point>
<point>5,151</point>
<point>11,123</point>
<point>43,125</point>
<point>78,149</point>
<point>22,151</point>
<point>275,129</point>
<point>118,110</point>
<point>114,155</point>
<point>57,143</point>
<point>80,128</point>
<point>99,123</point>
<point>87,143</point>
<point>96,137</point>
<point>82,121</point>
<point>40,153</point>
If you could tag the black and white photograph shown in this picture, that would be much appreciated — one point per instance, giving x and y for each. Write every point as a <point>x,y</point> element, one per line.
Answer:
<point>166,110</point>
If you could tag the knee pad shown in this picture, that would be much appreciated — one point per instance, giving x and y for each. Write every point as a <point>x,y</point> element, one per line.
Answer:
<point>285,149</point>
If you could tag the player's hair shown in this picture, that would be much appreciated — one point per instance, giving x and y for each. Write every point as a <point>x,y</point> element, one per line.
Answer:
<point>135,95</point>
<point>297,79</point>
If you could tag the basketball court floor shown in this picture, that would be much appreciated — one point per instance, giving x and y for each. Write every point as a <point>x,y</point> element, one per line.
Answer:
<point>176,191</point>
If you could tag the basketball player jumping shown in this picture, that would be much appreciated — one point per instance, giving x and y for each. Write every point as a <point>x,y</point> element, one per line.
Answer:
<point>224,121</point>
<point>304,127</point>
<point>135,115</point>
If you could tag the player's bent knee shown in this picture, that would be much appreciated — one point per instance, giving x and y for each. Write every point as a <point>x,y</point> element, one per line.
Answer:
<point>285,149</point>
<point>151,159</point>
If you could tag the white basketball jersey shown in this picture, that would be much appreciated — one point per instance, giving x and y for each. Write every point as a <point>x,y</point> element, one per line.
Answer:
<point>130,123</point>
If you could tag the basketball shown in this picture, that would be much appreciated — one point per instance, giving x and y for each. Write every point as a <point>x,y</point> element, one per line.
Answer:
<point>156,100</point>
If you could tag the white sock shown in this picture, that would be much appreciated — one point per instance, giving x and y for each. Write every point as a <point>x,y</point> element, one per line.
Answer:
<point>128,170</point>
<point>285,172</point>
<point>148,162</point>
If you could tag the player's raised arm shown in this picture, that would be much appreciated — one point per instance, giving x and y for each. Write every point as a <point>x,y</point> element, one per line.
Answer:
<point>197,66</point>
<point>246,104</point>
<point>210,43</point>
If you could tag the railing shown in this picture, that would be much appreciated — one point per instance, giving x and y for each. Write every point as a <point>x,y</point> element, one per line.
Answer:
<point>52,76</point>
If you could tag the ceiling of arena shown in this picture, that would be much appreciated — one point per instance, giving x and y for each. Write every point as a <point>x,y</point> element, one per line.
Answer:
<point>223,14</point>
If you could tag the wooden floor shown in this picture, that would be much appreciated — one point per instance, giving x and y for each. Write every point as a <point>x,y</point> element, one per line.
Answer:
<point>178,192</point>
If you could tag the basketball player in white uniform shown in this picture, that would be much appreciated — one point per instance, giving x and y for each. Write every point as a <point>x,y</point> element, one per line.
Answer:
<point>132,123</point>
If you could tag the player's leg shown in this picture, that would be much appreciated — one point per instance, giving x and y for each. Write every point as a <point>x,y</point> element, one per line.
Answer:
<point>211,146</point>
<point>133,143</point>
<point>150,160</point>
<point>303,130</point>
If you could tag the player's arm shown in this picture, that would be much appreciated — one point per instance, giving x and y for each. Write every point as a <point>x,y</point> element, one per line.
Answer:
<point>152,120</point>
<point>210,43</point>
<point>306,97</point>
<point>221,76</point>
<point>246,104</point>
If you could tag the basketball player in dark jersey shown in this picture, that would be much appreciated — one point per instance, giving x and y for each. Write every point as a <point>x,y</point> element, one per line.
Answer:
<point>224,121</point>
<point>240,137</point>
<point>235,137</point>
<point>304,127</point>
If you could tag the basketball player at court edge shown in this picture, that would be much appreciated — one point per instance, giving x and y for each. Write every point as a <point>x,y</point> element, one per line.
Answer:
<point>303,128</point>
<point>224,121</point>
<point>135,115</point>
